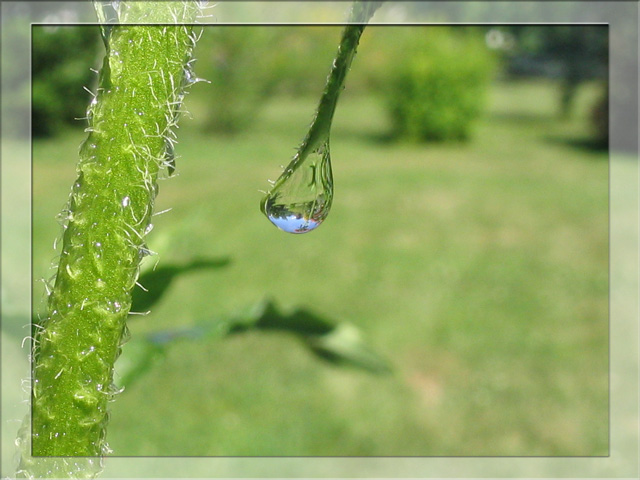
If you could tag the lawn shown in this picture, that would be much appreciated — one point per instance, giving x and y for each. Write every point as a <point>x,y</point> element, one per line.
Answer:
<point>478,270</point>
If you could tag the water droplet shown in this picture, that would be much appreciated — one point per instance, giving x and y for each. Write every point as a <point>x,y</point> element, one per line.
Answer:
<point>188,77</point>
<point>88,351</point>
<point>125,337</point>
<point>114,307</point>
<point>47,286</point>
<point>87,149</point>
<point>301,198</point>
<point>169,157</point>
<point>144,251</point>
<point>64,217</point>
<point>114,390</point>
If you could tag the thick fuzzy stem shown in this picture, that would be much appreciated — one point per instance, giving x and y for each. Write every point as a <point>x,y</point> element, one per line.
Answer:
<point>141,86</point>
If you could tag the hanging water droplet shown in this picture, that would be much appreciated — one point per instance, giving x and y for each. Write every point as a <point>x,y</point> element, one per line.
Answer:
<point>301,198</point>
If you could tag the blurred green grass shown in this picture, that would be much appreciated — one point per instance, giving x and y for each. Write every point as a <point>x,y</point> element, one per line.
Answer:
<point>480,269</point>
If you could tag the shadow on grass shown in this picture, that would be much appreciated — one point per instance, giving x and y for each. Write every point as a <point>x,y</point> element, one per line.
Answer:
<point>393,138</point>
<point>340,343</point>
<point>381,138</point>
<point>580,143</point>
<point>532,120</point>
<point>523,119</point>
<point>155,283</point>
<point>337,343</point>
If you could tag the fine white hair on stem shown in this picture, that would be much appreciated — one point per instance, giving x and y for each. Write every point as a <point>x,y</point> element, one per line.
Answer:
<point>89,91</point>
<point>162,211</point>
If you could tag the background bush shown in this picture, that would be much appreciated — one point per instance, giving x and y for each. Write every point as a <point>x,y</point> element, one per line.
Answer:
<point>573,55</point>
<point>60,70</point>
<point>600,119</point>
<point>248,64</point>
<point>431,80</point>
<point>435,89</point>
<point>230,57</point>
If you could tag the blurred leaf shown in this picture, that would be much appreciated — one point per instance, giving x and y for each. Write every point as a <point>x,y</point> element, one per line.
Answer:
<point>344,344</point>
<point>265,316</point>
<point>337,343</point>
<point>61,56</point>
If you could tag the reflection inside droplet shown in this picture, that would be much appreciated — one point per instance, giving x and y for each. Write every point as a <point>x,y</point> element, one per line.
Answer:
<point>302,196</point>
<point>294,223</point>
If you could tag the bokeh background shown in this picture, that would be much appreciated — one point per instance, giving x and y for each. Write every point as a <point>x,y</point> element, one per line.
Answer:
<point>454,303</point>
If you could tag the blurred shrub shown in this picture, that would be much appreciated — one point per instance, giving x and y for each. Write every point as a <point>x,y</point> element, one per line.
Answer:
<point>573,53</point>
<point>247,64</point>
<point>600,119</point>
<point>233,59</point>
<point>433,79</point>
<point>301,59</point>
<point>61,59</point>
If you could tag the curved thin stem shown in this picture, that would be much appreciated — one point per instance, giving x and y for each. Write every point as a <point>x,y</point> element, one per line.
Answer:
<point>361,13</point>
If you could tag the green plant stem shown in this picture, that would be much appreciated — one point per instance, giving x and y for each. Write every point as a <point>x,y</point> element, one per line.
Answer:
<point>108,216</point>
<point>319,130</point>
